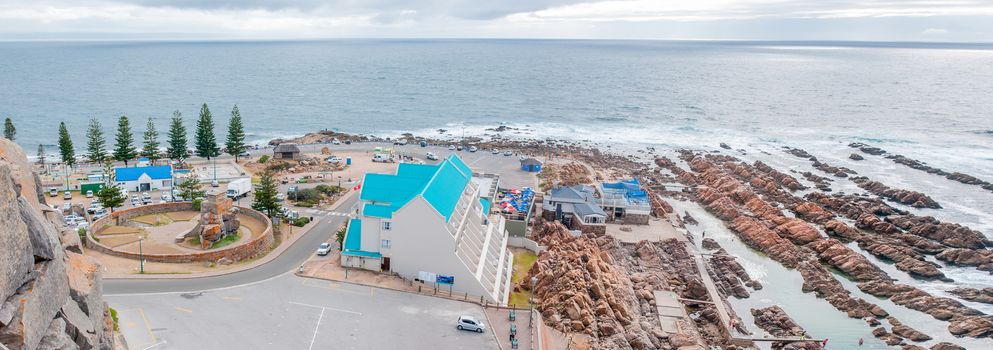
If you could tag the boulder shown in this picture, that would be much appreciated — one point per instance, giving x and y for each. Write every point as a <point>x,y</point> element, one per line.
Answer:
<point>44,238</point>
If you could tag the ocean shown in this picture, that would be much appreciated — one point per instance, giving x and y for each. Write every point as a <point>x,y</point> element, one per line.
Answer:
<point>930,102</point>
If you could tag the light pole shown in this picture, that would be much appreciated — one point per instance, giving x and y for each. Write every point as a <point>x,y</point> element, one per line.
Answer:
<point>141,256</point>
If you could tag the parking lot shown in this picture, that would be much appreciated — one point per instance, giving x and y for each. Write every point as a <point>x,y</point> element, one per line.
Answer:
<point>290,312</point>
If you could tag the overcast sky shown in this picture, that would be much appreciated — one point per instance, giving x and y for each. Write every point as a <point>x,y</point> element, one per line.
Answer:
<point>871,20</point>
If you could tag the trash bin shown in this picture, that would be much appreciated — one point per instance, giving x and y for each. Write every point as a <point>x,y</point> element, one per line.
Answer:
<point>348,160</point>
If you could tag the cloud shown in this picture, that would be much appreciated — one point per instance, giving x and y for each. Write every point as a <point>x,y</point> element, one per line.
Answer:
<point>652,19</point>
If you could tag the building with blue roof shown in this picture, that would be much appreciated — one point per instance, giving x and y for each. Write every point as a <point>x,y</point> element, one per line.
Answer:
<point>431,220</point>
<point>147,178</point>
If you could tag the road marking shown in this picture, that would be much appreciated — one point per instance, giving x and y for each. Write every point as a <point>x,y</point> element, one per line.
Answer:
<point>154,345</point>
<point>148,325</point>
<point>184,310</point>
<point>206,290</point>
<point>327,308</point>
<point>331,285</point>
<point>231,298</point>
<point>371,290</point>
<point>316,329</point>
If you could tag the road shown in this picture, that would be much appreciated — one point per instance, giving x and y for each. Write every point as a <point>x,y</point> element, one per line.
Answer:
<point>290,259</point>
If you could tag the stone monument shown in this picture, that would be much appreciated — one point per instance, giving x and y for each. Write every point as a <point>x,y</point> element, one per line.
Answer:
<point>218,218</point>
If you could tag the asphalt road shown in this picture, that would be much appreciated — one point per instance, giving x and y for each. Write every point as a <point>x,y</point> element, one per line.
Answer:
<point>289,260</point>
<point>290,312</point>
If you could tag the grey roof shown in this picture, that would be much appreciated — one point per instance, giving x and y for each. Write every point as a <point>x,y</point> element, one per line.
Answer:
<point>530,161</point>
<point>586,209</point>
<point>574,194</point>
<point>287,147</point>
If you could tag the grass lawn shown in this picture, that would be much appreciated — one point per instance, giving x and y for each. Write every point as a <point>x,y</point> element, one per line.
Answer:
<point>227,240</point>
<point>523,260</point>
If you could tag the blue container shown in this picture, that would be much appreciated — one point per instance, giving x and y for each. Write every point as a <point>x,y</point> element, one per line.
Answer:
<point>348,160</point>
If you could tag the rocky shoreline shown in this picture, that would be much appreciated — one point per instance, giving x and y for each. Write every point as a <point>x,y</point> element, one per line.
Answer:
<point>919,165</point>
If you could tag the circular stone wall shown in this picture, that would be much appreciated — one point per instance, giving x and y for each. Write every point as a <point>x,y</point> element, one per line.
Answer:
<point>256,246</point>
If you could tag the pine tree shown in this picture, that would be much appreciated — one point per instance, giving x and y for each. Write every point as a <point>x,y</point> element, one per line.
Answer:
<point>265,195</point>
<point>9,131</point>
<point>124,149</point>
<point>96,145</point>
<point>177,137</point>
<point>110,197</point>
<point>65,146</point>
<point>41,155</point>
<point>151,144</point>
<point>191,189</point>
<point>203,139</point>
<point>236,134</point>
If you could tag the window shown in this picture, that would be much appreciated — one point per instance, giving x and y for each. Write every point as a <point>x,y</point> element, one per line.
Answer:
<point>387,225</point>
<point>385,244</point>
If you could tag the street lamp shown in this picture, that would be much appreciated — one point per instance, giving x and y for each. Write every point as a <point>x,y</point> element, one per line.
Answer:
<point>141,257</point>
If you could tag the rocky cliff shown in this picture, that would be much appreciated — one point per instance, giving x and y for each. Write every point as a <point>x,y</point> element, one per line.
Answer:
<point>51,294</point>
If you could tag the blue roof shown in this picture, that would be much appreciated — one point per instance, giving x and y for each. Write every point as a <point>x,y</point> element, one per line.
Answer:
<point>441,185</point>
<point>486,205</point>
<point>353,241</point>
<point>158,172</point>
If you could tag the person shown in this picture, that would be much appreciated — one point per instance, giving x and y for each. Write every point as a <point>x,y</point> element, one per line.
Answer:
<point>861,341</point>
<point>704,235</point>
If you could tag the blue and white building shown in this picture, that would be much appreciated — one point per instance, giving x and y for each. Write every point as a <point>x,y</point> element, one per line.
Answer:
<point>432,223</point>
<point>147,178</point>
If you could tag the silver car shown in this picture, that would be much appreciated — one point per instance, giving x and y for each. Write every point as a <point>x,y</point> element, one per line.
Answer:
<point>468,323</point>
<point>324,249</point>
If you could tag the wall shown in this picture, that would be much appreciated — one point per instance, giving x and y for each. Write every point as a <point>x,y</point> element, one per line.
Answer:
<point>256,247</point>
<point>521,242</point>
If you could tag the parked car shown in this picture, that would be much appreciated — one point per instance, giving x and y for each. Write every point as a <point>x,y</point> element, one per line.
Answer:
<point>166,197</point>
<point>67,195</point>
<point>53,192</point>
<point>335,141</point>
<point>134,201</point>
<point>473,148</point>
<point>214,183</point>
<point>66,206</point>
<point>244,154</point>
<point>324,249</point>
<point>508,153</point>
<point>280,197</point>
<point>89,194</point>
<point>431,156</point>
<point>451,147</point>
<point>81,224</point>
<point>469,323</point>
<point>333,159</point>
<point>496,151</point>
<point>99,214</point>
<point>382,158</point>
<point>94,207</point>
<point>146,198</point>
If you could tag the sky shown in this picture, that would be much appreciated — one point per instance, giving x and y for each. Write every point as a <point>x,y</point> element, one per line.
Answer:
<point>857,20</point>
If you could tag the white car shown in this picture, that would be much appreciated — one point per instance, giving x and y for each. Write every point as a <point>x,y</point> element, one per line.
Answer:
<point>333,159</point>
<point>473,148</point>
<point>508,153</point>
<point>89,194</point>
<point>94,207</point>
<point>280,197</point>
<point>451,147</point>
<point>166,197</point>
<point>496,151</point>
<point>67,195</point>
<point>66,206</point>
<point>335,142</point>
<point>468,323</point>
<point>324,249</point>
<point>431,156</point>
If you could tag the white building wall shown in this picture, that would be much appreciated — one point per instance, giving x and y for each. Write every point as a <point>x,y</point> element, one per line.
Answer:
<point>371,230</point>
<point>421,243</point>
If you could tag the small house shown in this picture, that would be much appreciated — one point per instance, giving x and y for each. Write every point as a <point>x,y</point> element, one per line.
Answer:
<point>576,208</point>
<point>286,151</point>
<point>142,179</point>
<point>531,165</point>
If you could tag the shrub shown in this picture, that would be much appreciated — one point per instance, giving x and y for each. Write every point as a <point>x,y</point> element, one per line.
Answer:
<point>82,233</point>
<point>301,221</point>
<point>340,236</point>
<point>306,204</point>
<point>307,195</point>
<point>264,158</point>
<point>277,167</point>
<point>113,315</point>
<point>329,190</point>
<point>196,204</point>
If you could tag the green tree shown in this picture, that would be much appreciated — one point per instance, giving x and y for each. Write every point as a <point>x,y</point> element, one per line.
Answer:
<point>8,129</point>
<point>177,137</point>
<point>236,134</point>
<point>124,149</point>
<point>151,144</point>
<point>191,189</point>
<point>203,139</point>
<point>110,197</point>
<point>96,145</point>
<point>65,146</point>
<point>265,195</point>
<point>41,155</point>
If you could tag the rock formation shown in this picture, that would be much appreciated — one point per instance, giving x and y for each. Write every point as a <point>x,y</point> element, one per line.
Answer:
<point>50,293</point>
<point>775,321</point>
